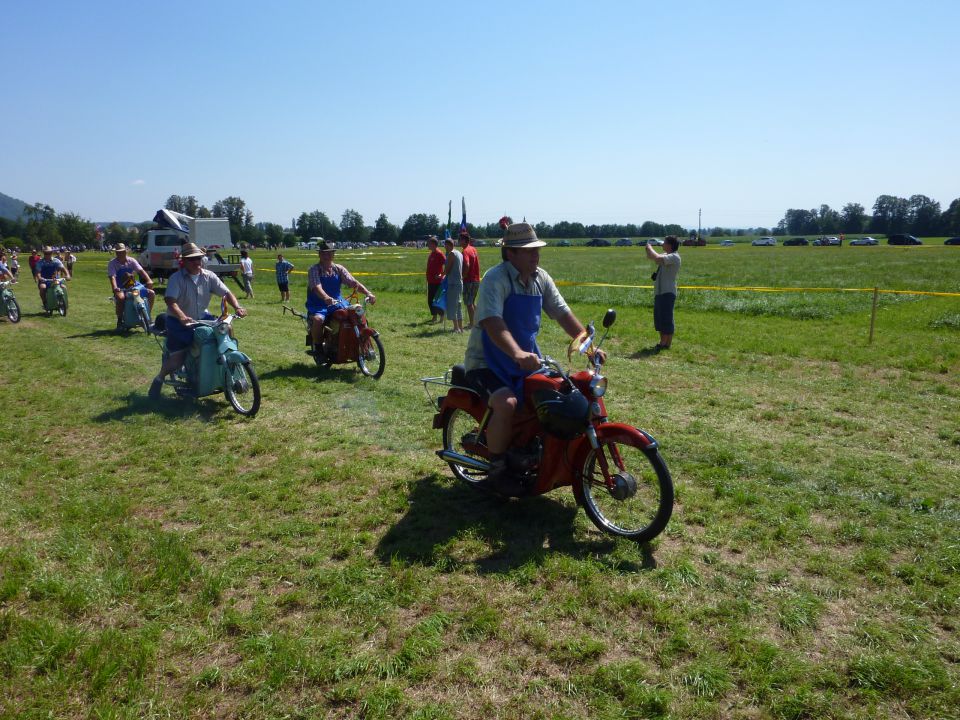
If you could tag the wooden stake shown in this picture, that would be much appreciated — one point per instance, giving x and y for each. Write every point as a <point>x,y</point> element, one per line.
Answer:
<point>873,316</point>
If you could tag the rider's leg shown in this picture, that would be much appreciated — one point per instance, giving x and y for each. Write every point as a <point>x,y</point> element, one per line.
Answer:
<point>173,363</point>
<point>43,294</point>
<point>503,404</point>
<point>151,295</point>
<point>119,299</point>
<point>316,329</point>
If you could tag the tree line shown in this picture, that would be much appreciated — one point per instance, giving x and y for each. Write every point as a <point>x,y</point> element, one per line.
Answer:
<point>42,225</point>
<point>917,215</point>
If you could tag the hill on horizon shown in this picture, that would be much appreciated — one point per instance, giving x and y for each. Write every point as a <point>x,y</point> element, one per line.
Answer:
<point>11,208</point>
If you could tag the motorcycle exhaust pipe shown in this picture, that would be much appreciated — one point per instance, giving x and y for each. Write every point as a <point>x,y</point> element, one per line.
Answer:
<point>465,460</point>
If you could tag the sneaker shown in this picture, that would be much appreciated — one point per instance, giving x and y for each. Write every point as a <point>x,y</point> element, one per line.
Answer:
<point>155,387</point>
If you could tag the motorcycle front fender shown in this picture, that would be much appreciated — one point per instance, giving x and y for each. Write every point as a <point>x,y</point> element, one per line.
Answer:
<point>235,356</point>
<point>369,332</point>
<point>610,433</point>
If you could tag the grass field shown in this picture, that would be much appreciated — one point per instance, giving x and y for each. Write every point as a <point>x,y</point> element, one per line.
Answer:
<point>177,560</point>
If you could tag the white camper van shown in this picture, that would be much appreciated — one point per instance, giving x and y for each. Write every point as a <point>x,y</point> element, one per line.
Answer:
<point>161,251</point>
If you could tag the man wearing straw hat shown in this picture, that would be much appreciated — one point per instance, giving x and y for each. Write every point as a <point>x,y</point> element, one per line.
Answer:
<point>187,297</point>
<point>502,348</point>
<point>122,273</point>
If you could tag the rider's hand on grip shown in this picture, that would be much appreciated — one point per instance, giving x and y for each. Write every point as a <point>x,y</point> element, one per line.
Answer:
<point>528,361</point>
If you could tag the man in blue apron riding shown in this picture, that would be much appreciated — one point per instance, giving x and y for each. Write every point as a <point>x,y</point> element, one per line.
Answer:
<point>502,348</point>
<point>324,283</point>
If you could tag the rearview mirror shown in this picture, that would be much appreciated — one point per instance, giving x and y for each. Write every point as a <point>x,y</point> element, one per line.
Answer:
<point>609,318</point>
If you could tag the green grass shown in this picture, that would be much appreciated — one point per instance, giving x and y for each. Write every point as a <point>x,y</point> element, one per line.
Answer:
<point>177,560</point>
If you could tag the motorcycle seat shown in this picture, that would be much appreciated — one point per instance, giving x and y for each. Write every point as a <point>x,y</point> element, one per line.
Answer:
<point>339,314</point>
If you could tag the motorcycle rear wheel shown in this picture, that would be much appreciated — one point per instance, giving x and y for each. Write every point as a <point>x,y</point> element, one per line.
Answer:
<point>638,514</point>
<point>459,424</point>
<point>371,359</point>
<point>242,388</point>
<point>13,310</point>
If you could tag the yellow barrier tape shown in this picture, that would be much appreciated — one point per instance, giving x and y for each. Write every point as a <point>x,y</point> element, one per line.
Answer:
<point>728,288</point>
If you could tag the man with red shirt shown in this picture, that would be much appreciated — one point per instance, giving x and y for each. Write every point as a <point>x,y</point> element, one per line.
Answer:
<point>435,263</point>
<point>471,275</point>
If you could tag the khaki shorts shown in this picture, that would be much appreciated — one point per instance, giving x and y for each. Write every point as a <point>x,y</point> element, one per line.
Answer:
<point>470,293</point>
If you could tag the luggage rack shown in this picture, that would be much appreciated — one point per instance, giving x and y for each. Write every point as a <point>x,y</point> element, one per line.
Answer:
<point>452,378</point>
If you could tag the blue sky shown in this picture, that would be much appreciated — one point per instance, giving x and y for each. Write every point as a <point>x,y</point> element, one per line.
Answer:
<point>592,112</point>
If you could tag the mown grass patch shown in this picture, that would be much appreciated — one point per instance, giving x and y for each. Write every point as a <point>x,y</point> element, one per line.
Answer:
<point>320,561</point>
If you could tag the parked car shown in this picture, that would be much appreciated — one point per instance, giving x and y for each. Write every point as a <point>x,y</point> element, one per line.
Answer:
<point>727,243</point>
<point>655,241</point>
<point>624,242</point>
<point>598,242</point>
<point>864,241</point>
<point>901,239</point>
<point>824,241</point>
<point>952,241</point>
<point>564,243</point>
<point>694,242</point>
<point>796,241</point>
<point>765,242</point>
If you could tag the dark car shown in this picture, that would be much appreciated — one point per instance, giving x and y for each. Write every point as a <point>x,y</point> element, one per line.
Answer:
<point>598,242</point>
<point>900,239</point>
<point>624,242</point>
<point>796,241</point>
<point>952,241</point>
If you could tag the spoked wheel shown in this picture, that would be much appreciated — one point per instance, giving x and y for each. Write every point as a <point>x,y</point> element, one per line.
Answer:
<point>461,435</point>
<point>371,359</point>
<point>144,319</point>
<point>626,491</point>
<point>13,310</point>
<point>242,388</point>
<point>62,306</point>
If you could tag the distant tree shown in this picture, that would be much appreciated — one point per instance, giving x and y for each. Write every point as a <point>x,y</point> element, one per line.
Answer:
<point>890,214</point>
<point>351,227</point>
<point>234,209</point>
<point>316,224</point>
<point>828,220</point>
<point>384,230</point>
<point>651,229</point>
<point>950,219</point>
<point>175,203</point>
<point>853,218</point>
<point>203,212</point>
<point>75,230</point>
<point>273,234</point>
<point>116,233</point>
<point>801,222</point>
<point>418,225</point>
<point>543,230</point>
<point>674,229</point>
<point>923,215</point>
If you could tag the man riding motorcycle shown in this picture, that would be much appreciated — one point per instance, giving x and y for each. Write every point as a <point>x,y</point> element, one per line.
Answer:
<point>46,271</point>
<point>502,348</point>
<point>187,297</point>
<point>324,281</point>
<point>122,273</point>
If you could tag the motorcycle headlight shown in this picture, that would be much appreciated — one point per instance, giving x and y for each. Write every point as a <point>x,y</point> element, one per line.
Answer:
<point>598,385</point>
<point>359,310</point>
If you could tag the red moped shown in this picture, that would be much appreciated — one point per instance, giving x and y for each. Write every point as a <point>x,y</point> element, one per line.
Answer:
<point>562,436</point>
<point>347,338</point>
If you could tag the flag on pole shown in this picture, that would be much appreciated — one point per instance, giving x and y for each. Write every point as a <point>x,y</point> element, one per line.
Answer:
<point>449,213</point>
<point>463,220</point>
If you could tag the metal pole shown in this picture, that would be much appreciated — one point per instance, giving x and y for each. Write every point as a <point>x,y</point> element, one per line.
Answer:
<point>873,316</point>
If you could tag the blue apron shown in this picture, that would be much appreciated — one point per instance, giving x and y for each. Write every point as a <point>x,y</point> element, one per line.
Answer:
<point>331,286</point>
<point>521,315</point>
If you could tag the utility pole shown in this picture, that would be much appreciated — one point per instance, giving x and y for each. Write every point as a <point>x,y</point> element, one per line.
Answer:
<point>699,215</point>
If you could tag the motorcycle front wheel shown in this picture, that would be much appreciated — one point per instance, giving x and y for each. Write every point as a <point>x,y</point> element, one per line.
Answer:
<point>627,491</point>
<point>461,426</point>
<point>13,310</point>
<point>144,320</point>
<point>62,306</point>
<point>371,359</point>
<point>242,388</point>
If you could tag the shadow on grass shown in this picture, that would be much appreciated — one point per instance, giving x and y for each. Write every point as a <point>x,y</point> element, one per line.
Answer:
<point>168,406</point>
<point>111,332</point>
<point>646,352</point>
<point>523,531</point>
<point>347,374</point>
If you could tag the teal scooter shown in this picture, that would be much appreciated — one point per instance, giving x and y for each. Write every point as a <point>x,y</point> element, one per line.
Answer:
<point>56,299</point>
<point>214,364</point>
<point>136,313</point>
<point>8,303</point>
